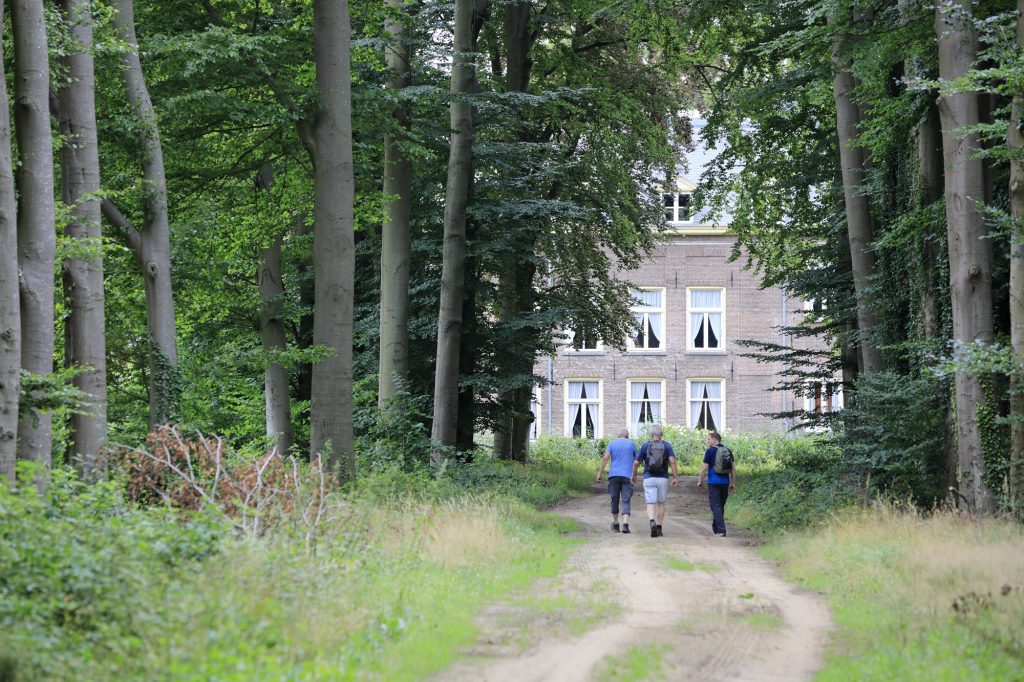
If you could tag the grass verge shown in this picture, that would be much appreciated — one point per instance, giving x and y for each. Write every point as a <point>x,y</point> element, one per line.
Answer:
<point>914,597</point>
<point>94,587</point>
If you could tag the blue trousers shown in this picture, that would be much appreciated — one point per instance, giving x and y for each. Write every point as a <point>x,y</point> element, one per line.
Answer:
<point>717,495</point>
<point>620,487</point>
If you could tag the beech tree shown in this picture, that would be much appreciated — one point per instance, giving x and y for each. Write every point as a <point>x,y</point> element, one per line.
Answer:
<point>859,222</point>
<point>150,244</point>
<point>10,316</point>
<point>85,330</point>
<point>328,138</point>
<point>1015,142</point>
<point>37,237</point>
<point>460,177</point>
<point>970,251</point>
<point>395,240</point>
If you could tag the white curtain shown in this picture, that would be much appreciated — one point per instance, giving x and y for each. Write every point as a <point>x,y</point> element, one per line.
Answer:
<point>716,415</point>
<point>592,414</point>
<point>696,330</point>
<point>705,298</point>
<point>638,336</point>
<point>647,298</point>
<point>654,330</point>
<point>575,390</point>
<point>636,404</point>
<point>695,406</point>
<point>591,391</point>
<point>715,319</point>
<point>714,389</point>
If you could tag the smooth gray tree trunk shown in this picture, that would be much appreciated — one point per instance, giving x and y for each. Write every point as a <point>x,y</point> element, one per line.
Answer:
<point>84,328</point>
<point>37,238</point>
<point>1015,140</point>
<point>970,252</point>
<point>860,224</point>
<point>10,313</point>
<point>272,336</point>
<point>154,247</point>
<point>460,175</point>
<point>395,251</point>
<point>328,138</point>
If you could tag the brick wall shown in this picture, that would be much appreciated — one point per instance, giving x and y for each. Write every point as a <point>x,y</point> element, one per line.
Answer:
<point>751,313</point>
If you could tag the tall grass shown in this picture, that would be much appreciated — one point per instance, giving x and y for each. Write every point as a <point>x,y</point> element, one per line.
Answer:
<point>915,597</point>
<point>95,588</point>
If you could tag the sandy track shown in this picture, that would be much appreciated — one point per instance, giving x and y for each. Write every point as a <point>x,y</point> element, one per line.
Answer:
<point>728,618</point>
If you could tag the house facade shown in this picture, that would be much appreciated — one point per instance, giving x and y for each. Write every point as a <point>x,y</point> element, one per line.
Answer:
<point>683,365</point>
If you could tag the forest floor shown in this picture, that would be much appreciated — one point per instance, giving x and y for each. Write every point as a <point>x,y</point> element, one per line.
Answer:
<point>688,605</point>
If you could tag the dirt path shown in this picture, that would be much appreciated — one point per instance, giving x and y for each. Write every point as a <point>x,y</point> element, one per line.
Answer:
<point>711,608</point>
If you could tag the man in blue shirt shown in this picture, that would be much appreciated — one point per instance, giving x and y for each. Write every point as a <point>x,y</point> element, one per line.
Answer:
<point>657,457</point>
<point>719,485</point>
<point>622,453</point>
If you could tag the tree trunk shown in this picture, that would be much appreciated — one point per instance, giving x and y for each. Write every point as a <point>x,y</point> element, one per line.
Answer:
<point>395,246</point>
<point>85,329</point>
<point>10,315</point>
<point>279,413</point>
<point>1015,140</point>
<point>929,164</point>
<point>328,138</point>
<point>37,239</point>
<point>860,225</point>
<point>153,250</point>
<point>512,437</point>
<point>970,252</point>
<point>460,175</point>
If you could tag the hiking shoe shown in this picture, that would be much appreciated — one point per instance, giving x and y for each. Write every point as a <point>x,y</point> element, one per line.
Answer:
<point>625,528</point>
<point>719,535</point>
<point>654,529</point>
<point>660,534</point>
<point>615,528</point>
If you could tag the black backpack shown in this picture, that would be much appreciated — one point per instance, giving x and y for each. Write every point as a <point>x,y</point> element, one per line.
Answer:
<point>657,462</point>
<point>723,460</point>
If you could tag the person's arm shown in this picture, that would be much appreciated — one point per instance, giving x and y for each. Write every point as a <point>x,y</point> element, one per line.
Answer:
<point>702,476</point>
<point>732,478</point>
<point>675,472</point>
<point>600,467</point>
<point>636,467</point>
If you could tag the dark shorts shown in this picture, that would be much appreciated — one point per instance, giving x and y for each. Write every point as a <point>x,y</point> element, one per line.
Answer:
<point>621,489</point>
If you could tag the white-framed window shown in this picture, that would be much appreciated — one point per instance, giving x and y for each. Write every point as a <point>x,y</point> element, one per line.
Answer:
<point>583,408</point>
<point>677,207</point>
<point>646,404</point>
<point>649,313</point>
<point>705,404</point>
<point>582,342</point>
<point>823,397</point>
<point>705,320</point>
<point>818,305</point>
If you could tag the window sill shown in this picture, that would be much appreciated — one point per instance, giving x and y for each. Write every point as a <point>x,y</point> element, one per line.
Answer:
<point>707,352</point>
<point>634,351</point>
<point>571,353</point>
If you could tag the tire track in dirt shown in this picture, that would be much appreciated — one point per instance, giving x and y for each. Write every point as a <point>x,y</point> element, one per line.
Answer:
<point>730,618</point>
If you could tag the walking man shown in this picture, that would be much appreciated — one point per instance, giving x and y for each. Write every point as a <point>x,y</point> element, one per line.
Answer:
<point>622,453</point>
<point>657,457</point>
<point>720,474</point>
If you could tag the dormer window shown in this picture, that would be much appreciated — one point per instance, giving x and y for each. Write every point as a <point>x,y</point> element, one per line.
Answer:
<point>677,207</point>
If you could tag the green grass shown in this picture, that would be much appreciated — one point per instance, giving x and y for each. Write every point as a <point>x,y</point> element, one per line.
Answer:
<point>891,579</point>
<point>764,620</point>
<point>679,564</point>
<point>637,664</point>
<point>94,588</point>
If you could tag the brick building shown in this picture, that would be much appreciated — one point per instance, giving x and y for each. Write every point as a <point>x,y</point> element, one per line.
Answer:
<point>683,366</point>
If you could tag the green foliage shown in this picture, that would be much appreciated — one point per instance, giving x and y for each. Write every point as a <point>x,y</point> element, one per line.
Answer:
<point>81,570</point>
<point>806,487</point>
<point>895,434</point>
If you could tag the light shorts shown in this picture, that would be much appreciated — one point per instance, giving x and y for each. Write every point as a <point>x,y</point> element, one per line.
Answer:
<point>655,489</point>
